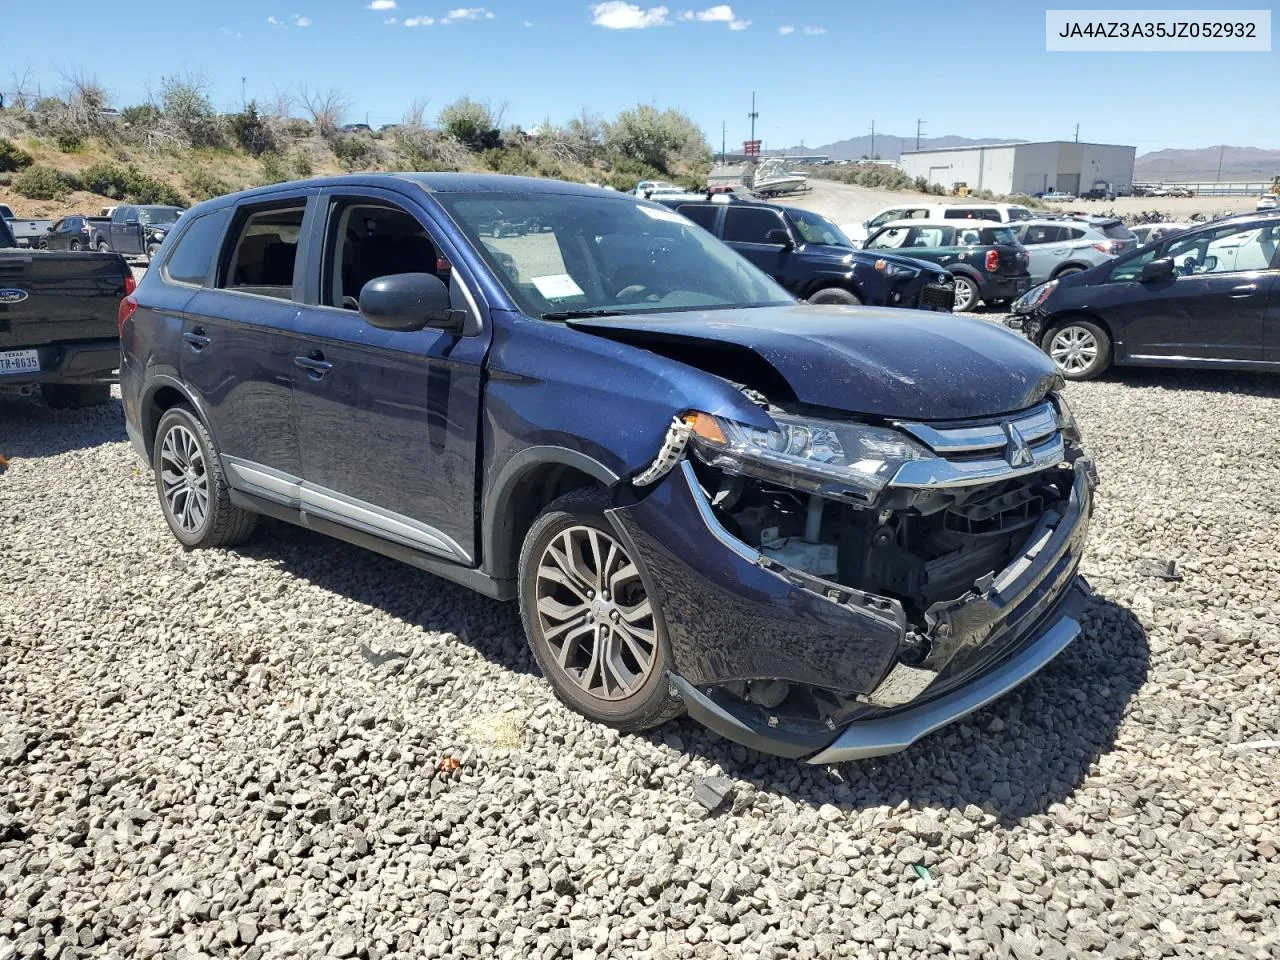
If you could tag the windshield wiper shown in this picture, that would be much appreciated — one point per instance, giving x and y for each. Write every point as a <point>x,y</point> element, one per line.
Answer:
<point>582,314</point>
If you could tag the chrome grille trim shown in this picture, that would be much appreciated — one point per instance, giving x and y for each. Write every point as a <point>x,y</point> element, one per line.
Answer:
<point>1034,425</point>
<point>940,472</point>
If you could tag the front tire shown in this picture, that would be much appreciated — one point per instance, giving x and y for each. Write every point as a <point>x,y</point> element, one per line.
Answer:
<point>1081,350</point>
<point>592,622</point>
<point>102,247</point>
<point>193,492</point>
<point>75,244</point>
<point>152,250</point>
<point>836,295</point>
<point>966,294</point>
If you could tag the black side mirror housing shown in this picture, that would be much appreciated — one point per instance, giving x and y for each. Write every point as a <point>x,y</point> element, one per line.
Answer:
<point>779,237</point>
<point>408,302</point>
<point>1160,269</point>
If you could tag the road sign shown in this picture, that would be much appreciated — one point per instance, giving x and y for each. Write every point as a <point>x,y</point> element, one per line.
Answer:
<point>751,148</point>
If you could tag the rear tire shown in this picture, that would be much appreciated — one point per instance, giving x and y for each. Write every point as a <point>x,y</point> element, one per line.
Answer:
<point>75,244</point>
<point>966,294</point>
<point>1067,271</point>
<point>152,250</point>
<point>70,396</point>
<point>1079,349</point>
<point>836,295</point>
<point>592,621</point>
<point>102,247</point>
<point>193,491</point>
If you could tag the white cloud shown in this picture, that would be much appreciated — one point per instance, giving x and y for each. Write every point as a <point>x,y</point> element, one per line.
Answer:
<point>302,21</point>
<point>228,32</point>
<point>814,31</point>
<point>419,21</point>
<point>467,13</point>
<point>721,13</point>
<point>274,22</point>
<point>390,20</point>
<point>528,23</point>
<point>739,24</point>
<point>786,31</point>
<point>619,15</point>
<point>381,5</point>
<point>686,14</point>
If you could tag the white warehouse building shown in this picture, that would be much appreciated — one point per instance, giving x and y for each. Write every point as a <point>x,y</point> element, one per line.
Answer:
<point>1026,168</point>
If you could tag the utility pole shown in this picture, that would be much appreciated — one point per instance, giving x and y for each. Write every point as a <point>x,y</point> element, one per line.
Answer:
<point>753,114</point>
<point>244,102</point>
<point>723,127</point>
<point>1077,133</point>
<point>919,125</point>
<point>1221,150</point>
<point>873,139</point>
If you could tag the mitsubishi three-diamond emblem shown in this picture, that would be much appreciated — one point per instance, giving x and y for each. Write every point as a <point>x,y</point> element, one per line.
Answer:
<point>1016,452</point>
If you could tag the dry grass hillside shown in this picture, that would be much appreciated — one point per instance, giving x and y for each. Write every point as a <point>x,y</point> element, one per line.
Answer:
<point>76,154</point>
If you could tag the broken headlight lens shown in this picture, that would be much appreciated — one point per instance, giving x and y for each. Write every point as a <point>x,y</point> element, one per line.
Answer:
<point>1033,298</point>
<point>1066,419</point>
<point>806,453</point>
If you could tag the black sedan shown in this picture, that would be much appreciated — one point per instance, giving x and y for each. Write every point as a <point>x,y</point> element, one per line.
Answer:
<point>1207,297</point>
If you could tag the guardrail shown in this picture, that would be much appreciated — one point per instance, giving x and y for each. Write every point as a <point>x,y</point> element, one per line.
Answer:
<point>1212,188</point>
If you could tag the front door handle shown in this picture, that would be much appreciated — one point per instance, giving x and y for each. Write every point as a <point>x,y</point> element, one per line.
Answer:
<point>196,339</point>
<point>1244,290</point>
<point>314,363</point>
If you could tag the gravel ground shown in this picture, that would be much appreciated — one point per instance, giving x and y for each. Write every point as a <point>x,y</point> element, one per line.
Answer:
<point>299,749</point>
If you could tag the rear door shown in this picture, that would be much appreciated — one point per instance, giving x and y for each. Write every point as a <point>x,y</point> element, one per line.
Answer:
<point>1215,306</point>
<point>747,229</point>
<point>1047,249</point>
<point>237,340</point>
<point>388,421</point>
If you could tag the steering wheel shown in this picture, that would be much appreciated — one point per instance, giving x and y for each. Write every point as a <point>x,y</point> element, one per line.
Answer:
<point>634,292</point>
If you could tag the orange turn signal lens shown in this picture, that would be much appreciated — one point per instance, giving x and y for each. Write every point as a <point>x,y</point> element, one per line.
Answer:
<point>704,425</point>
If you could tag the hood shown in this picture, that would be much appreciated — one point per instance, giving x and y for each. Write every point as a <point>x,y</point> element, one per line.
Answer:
<point>879,362</point>
<point>842,254</point>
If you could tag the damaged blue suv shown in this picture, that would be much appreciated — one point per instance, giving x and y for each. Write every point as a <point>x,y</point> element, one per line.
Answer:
<point>822,531</point>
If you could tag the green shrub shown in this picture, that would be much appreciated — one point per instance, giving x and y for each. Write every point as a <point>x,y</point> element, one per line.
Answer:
<point>354,152</point>
<point>38,182</point>
<point>12,157</point>
<point>273,169</point>
<point>205,185</point>
<point>302,164</point>
<point>471,123</point>
<point>144,116</point>
<point>666,140</point>
<point>69,141</point>
<point>186,104</point>
<point>249,131</point>
<point>128,184</point>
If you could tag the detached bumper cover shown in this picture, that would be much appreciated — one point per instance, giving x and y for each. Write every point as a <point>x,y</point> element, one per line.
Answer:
<point>731,614</point>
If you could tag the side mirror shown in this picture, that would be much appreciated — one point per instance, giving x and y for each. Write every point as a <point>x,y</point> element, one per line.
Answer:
<point>408,302</point>
<point>131,221</point>
<point>779,237</point>
<point>1160,269</point>
<point>49,229</point>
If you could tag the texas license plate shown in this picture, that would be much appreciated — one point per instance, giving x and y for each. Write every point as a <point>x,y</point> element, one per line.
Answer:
<point>19,361</point>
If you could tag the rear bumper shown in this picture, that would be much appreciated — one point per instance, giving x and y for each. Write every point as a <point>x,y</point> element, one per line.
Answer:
<point>1006,288</point>
<point>731,615</point>
<point>86,362</point>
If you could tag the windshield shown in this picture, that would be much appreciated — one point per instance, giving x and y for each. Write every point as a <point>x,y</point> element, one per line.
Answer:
<point>819,230</point>
<point>155,215</point>
<point>560,255</point>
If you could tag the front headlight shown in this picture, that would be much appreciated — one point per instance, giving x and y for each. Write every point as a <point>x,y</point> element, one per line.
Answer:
<point>157,235</point>
<point>806,453</point>
<point>1033,298</point>
<point>896,269</point>
<point>1066,419</point>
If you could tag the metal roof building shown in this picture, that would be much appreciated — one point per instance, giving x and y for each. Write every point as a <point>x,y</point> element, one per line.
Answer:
<point>1026,168</point>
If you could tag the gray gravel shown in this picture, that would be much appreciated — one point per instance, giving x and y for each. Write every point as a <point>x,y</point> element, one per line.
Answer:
<point>299,749</point>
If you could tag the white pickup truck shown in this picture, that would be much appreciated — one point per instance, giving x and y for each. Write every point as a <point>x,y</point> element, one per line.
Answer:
<point>26,232</point>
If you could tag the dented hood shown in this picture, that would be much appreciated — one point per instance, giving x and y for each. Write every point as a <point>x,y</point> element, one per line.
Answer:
<point>901,364</point>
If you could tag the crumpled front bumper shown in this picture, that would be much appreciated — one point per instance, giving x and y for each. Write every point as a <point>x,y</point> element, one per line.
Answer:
<point>732,614</point>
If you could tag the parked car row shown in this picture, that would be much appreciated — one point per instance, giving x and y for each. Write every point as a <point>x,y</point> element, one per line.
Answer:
<point>131,230</point>
<point>24,233</point>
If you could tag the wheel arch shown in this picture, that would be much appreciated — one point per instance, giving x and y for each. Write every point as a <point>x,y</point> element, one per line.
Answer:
<point>845,281</point>
<point>162,394</point>
<point>1061,319</point>
<point>1070,265</point>
<point>528,482</point>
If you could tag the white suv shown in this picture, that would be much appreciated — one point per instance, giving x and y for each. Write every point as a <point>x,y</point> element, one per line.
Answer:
<point>995,212</point>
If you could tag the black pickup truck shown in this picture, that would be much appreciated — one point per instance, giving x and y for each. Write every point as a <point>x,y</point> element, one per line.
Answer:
<point>58,322</point>
<point>137,231</point>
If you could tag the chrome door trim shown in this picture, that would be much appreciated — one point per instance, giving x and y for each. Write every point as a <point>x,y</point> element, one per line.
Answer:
<point>263,481</point>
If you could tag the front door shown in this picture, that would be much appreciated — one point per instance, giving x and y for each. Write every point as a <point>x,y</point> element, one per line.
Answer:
<point>754,233</point>
<point>237,352</point>
<point>388,421</point>
<point>1212,308</point>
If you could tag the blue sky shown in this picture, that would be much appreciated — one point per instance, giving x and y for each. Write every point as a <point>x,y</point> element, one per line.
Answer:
<point>823,70</point>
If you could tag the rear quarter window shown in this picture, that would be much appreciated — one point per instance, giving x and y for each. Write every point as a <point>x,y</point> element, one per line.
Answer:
<point>704,215</point>
<point>1118,231</point>
<point>1002,235</point>
<point>195,251</point>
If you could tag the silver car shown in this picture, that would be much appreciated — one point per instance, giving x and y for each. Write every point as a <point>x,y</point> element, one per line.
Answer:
<point>1058,247</point>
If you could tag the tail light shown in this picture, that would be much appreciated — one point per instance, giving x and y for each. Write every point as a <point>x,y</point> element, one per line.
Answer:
<point>993,261</point>
<point>129,305</point>
<point>1111,248</point>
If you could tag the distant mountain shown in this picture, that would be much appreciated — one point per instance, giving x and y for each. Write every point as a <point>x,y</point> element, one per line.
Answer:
<point>1238,163</point>
<point>888,146</point>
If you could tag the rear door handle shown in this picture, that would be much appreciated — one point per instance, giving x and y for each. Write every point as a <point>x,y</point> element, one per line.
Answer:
<point>196,339</point>
<point>314,363</point>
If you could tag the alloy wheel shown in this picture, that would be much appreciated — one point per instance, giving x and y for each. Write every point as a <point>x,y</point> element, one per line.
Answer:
<point>185,479</point>
<point>1073,349</point>
<point>965,295</point>
<point>594,613</point>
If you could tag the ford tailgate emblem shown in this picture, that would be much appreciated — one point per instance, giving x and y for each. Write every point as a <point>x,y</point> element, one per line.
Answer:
<point>12,295</point>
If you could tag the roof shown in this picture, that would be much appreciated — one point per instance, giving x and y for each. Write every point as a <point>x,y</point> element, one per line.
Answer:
<point>1019,143</point>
